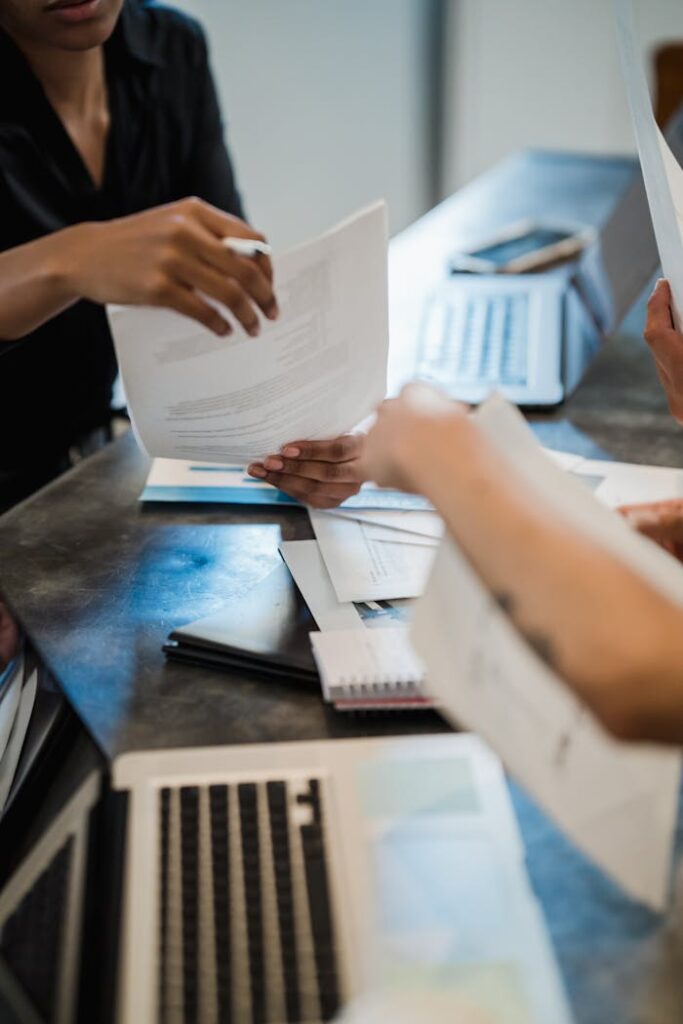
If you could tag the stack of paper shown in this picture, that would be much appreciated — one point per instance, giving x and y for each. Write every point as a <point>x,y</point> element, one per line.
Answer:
<point>354,621</point>
<point>361,575</point>
<point>366,567</point>
<point>17,697</point>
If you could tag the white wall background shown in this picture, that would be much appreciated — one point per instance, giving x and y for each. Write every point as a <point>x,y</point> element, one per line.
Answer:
<point>538,73</point>
<point>327,103</point>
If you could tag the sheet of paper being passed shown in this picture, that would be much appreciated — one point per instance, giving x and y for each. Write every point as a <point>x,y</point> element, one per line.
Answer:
<point>661,172</point>
<point>616,801</point>
<point>314,373</point>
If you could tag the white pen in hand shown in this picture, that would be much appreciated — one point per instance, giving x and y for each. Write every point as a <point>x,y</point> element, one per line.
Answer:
<point>247,247</point>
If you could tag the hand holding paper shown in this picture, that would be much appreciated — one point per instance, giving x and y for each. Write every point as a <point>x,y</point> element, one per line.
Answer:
<point>315,373</point>
<point>322,474</point>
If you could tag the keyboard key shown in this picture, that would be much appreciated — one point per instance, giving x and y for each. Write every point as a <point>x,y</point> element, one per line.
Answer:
<point>189,860</point>
<point>251,855</point>
<point>321,918</point>
<point>220,864</point>
<point>31,939</point>
<point>283,882</point>
<point>478,339</point>
<point>279,832</point>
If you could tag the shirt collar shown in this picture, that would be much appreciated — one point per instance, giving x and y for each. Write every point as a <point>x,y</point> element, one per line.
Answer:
<point>133,35</point>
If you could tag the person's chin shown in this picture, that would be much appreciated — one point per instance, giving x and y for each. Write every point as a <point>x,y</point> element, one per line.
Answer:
<point>82,25</point>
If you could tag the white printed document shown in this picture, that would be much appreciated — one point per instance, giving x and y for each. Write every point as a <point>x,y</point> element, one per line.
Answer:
<point>364,569</point>
<point>315,373</point>
<point>304,561</point>
<point>662,173</point>
<point>623,483</point>
<point>617,802</point>
<point>421,524</point>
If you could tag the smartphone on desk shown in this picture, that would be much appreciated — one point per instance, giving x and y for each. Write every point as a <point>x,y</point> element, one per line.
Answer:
<point>522,247</point>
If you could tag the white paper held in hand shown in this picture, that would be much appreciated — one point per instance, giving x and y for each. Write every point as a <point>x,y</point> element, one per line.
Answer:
<point>314,373</point>
<point>616,801</point>
<point>661,172</point>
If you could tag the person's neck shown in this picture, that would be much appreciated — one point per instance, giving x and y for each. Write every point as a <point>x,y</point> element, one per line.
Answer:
<point>73,81</point>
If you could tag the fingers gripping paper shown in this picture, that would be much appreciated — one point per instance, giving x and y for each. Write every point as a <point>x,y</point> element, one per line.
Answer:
<point>662,173</point>
<point>315,373</point>
<point>617,802</point>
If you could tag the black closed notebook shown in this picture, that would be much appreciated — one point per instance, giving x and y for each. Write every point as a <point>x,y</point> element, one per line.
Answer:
<point>265,631</point>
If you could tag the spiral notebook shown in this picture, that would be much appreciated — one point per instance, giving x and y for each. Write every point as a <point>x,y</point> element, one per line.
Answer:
<point>370,670</point>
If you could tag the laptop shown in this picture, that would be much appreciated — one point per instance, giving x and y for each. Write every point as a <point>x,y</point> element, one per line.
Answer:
<point>532,336</point>
<point>273,883</point>
<point>269,883</point>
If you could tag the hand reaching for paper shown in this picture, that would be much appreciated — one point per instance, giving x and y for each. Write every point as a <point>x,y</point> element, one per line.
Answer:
<point>666,345</point>
<point>322,474</point>
<point>406,428</point>
<point>661,521</point>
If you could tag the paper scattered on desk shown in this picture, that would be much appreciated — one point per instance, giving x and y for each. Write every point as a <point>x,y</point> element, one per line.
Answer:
<point>304,561</point>
<point>616,801</point>
<point>391,536</point>
<point>363,569</point>
<point>662,173</point>
<point>177,480</point>
<point>353,620</point>
<point>424,523</point>
<point>315,373</point>
<point>173,480</point>
<point>621,483</point>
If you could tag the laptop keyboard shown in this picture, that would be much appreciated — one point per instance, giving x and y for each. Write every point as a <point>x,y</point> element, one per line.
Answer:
<point>246,930</point>
<point>32,938</point>
<point>475,339</point>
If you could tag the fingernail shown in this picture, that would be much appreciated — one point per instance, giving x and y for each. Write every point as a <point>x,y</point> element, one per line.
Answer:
<point>222,328</point>
<point>291,453</point>
<point>274,464</point>
<point>253,330</point>
<point>257,471</point>
<point>273,311</point>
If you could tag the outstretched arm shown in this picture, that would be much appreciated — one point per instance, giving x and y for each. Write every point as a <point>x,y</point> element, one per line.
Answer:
<point>168,256</point>
<point>613,638</point>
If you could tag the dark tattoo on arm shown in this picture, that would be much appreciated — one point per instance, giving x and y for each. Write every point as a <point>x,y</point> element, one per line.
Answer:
<point>540,643</point>
<point>505,602</point>
<point>542,646</point>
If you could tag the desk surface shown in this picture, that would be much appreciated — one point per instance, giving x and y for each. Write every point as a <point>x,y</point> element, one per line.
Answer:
<point>98,581</point>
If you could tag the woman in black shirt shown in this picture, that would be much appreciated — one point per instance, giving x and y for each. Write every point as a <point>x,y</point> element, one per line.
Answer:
<point>108,123</point>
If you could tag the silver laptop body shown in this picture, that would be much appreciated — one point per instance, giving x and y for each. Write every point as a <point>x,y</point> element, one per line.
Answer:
<point>274,882</point>
<point>532,336</point>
